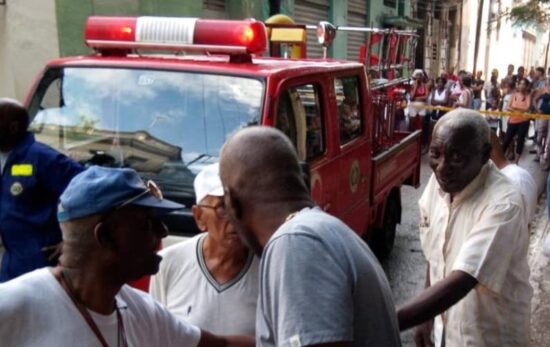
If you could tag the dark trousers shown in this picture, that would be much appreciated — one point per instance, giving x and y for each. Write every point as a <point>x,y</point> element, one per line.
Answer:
<point>519,129</point>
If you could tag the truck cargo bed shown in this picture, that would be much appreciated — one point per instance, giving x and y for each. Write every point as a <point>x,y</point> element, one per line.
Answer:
<point>399,164</point>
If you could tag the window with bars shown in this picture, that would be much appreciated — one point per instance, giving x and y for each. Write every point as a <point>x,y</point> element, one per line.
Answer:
<point>390,3</point>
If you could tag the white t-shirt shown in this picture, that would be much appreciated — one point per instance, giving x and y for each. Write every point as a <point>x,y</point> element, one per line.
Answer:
<point>523,180</point>
<point>184,285</point>
<point>36,311</point>
<point>437,96</point>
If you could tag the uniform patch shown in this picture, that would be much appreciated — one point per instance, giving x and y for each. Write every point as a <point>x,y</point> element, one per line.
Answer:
<point>21,170</point>
<point>16,189</point>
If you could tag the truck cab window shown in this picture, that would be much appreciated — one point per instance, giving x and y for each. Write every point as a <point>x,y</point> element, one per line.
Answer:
<point>349,110</point>
<point>167,125</point>
<point>285,120</point>
<point>299,117</point>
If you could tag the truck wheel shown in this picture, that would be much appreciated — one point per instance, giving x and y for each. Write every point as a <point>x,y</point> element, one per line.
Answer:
<point>382,239</point>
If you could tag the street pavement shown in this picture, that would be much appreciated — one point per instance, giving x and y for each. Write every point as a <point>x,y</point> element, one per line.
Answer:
<point>538,263</point>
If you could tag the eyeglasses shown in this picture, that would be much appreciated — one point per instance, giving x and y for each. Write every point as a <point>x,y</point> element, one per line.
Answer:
<point>219,209</point>
<point>151,188</point>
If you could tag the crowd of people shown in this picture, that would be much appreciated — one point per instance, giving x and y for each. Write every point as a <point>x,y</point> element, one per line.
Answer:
<point>270,268</point>
<point>518,93</point>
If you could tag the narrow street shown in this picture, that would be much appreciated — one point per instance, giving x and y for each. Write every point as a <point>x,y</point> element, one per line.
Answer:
<point>406,265</point>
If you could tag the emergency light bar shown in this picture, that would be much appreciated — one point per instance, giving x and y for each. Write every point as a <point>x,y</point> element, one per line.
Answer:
<point>177,34</point>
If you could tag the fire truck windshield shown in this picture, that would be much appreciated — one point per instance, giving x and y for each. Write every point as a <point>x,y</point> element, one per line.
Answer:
<point>165,124</point>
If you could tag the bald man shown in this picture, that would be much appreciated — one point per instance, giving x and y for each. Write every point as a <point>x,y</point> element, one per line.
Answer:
<point>33,177</point>
<point>473,234</point>
<point>320,284</point>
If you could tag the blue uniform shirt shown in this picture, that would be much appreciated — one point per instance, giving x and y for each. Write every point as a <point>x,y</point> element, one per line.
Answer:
<point>33,178</point>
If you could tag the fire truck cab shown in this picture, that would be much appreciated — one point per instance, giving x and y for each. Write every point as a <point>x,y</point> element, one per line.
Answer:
<point>167,115</point>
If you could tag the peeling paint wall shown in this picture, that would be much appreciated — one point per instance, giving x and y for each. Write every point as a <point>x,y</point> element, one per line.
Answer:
<point>28,38</point>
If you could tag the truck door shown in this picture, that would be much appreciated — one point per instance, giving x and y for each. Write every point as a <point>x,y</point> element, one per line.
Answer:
<point>300,114</point>
<point>354,147</point>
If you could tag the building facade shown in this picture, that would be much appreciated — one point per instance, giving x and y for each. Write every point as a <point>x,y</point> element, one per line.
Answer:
<point>471,35</point>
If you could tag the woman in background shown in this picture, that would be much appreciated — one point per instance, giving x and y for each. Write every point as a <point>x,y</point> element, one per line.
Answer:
<point>520,102</point>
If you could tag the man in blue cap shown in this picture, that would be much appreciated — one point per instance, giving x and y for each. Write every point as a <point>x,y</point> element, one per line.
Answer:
<point>110,220</point>
<point>33,176</point>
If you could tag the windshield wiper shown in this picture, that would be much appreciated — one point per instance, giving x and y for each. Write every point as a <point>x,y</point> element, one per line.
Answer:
<point>199,157</point>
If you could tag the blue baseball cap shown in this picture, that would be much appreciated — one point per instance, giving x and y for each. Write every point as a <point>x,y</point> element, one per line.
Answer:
<point>100,189</point>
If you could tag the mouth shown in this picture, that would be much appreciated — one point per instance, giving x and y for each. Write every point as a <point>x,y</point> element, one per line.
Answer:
<point>445,182</point>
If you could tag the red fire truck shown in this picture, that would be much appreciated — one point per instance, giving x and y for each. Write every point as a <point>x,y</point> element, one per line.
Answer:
<point>166,114</point>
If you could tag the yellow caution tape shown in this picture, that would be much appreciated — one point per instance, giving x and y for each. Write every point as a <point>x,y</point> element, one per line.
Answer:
<point>491,113</point>
<point>21,170</point>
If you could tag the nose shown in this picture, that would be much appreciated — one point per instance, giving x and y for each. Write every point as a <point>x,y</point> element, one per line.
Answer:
<point>439,166</point>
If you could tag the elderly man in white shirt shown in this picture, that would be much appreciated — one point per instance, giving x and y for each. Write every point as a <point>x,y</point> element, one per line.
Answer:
<point>473,234</point>
<point>210,280</point>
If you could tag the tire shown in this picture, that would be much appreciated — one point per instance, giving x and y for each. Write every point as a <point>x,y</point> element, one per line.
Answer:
<point>383,239</point>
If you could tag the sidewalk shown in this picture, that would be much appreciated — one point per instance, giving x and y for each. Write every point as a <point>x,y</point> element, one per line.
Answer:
<point>538,263</point>
<point>540,280</point>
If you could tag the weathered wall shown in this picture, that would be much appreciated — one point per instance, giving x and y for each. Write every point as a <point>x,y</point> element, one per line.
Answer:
<point>377,11</point>
<point>72,14</point>
<point>28,38</point>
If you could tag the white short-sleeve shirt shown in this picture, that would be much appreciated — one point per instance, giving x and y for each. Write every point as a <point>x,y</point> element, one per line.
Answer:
<point>482,233</point>
<point>36,311</point>
<point>523,180</point>
<point>186,288</point>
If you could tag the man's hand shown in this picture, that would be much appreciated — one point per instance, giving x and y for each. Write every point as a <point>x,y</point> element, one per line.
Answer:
<point>423,334</point>
<point>210,340</point>
<point>53,252</point>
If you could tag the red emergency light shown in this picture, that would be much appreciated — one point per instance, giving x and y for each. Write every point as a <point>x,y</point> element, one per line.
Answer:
<point>177,34</point>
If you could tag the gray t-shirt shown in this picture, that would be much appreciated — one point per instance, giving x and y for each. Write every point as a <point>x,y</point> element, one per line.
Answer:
<point>320,283</point>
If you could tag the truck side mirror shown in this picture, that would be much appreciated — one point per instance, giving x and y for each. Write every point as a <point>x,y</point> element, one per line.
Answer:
<point>325,33</point>
<point>306,174</point>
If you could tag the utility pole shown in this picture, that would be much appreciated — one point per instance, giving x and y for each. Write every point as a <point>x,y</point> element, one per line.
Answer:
<point>478,31</point>
<point>547,48</point>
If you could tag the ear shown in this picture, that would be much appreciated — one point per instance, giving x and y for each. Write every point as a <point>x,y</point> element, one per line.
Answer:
<point>103,236</point>
<point>233,204</point>
<point>197,214</point>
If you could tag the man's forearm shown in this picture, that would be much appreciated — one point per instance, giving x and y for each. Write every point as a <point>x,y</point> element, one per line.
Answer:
<point>435,299</point>
<point>210,340</point>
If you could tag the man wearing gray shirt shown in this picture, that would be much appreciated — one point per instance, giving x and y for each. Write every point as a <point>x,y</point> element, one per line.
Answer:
<point>319,282</point>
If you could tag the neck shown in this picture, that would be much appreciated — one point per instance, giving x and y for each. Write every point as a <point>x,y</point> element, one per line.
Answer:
<point>273,216</point>
<point>90,287</point>
<point>500,162</point>
<point>224,261</point>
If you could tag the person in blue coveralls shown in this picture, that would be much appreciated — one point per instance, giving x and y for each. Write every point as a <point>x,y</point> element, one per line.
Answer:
<point>33,176</point>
